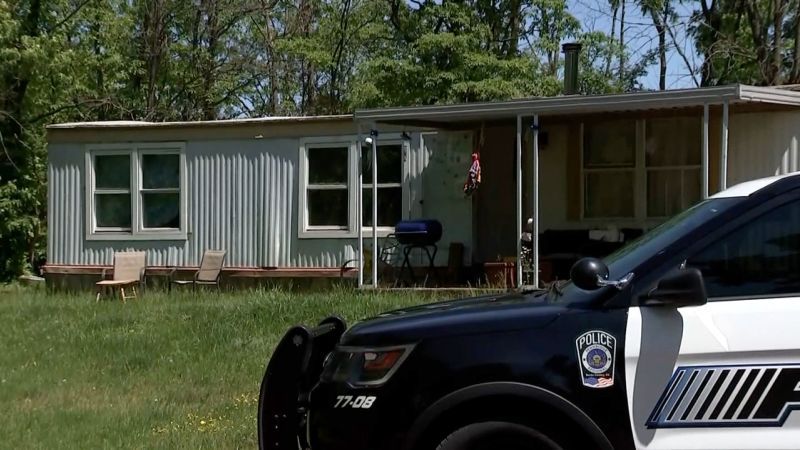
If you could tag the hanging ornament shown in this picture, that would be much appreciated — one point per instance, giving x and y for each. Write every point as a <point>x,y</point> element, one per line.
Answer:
<point>473,175</point>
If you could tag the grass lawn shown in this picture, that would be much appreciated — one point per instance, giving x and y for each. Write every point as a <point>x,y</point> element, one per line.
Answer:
<point>166,371</point>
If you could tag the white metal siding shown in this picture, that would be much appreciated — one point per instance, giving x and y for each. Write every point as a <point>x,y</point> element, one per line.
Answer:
<point>242,197</point>
<point>762,145</point>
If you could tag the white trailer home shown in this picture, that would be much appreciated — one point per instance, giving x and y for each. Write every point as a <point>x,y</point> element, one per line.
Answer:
<point>282,195</point>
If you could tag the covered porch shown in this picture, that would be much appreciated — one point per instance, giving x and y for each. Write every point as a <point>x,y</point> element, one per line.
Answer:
<point>575,176</point>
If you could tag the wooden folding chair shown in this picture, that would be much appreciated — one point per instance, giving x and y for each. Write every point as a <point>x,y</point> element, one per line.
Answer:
<point>208,274</point>
<point>128,273</point>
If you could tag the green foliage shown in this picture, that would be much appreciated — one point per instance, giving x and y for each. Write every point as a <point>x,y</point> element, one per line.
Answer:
<point>748,41</point>
<point>18,228</point>
<point>444,53</point>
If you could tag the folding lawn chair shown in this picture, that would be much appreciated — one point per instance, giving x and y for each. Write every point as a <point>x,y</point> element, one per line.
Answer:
<point>128,272</point>
<point>208,274</point>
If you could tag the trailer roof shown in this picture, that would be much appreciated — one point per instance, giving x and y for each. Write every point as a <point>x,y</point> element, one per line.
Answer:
<point>138,124</point>
<point>583,104</point>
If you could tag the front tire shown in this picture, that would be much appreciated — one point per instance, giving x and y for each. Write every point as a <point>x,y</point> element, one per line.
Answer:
<point>497,436</point>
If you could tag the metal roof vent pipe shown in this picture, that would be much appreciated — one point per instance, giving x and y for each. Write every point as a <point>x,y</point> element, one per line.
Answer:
<point>572,53</point>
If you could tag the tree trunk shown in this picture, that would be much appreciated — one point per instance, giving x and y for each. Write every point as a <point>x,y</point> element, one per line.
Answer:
<point>777,42</point>
<point>659,16</point>
<point>622,43</point>
<point>154,40</point>
<point>515,23</point>
<point>335,91</point>
<point>795,72</point>
<point>610,56</point>
<point>209,111</point>
<point>712,19</point>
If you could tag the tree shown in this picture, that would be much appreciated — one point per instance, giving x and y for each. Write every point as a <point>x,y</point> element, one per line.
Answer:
<point>450,52</point>
<point>748,41</point>
<point>660,12</point>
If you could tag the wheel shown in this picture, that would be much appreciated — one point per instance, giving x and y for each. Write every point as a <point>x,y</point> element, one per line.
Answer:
<point>497,436</point>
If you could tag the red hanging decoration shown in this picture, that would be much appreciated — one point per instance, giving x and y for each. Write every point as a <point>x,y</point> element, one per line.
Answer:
<point>474,174</point>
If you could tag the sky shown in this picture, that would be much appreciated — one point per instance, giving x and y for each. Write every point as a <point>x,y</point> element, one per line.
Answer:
<point>595,15</point>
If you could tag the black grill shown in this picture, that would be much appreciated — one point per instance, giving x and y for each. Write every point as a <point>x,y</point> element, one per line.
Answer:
<point>418,232</point>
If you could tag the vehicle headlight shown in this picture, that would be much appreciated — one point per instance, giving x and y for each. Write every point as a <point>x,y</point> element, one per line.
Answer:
<point>364,367</point>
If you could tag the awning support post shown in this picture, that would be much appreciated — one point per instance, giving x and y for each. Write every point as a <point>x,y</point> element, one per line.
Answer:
<point>359,208</point>
<point>704,155</point>
<point>374,135</point>
<point>535,208</point>
<point>723,160</point>
<point>519,201</point>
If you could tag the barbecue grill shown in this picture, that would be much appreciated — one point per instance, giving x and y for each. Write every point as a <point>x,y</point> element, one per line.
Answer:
<point>422,234</point>
<point>418,232</point>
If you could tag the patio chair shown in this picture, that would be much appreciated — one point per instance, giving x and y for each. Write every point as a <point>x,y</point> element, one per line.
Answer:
<point>128,273</point>
<point>208,274</point>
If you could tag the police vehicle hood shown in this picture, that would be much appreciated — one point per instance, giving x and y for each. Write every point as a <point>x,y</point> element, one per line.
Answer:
<point>458,317</point>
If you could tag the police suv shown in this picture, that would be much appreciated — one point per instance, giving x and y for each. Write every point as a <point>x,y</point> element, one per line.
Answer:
<point>688,338</point>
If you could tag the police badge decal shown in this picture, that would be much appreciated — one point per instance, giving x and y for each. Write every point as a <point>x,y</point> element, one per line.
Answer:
<point>596,353</point>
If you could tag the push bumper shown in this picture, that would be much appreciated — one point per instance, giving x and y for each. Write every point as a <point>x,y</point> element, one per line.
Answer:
<point>291,374</point>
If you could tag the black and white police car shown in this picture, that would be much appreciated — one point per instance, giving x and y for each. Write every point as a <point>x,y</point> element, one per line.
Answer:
<point>688,338</point>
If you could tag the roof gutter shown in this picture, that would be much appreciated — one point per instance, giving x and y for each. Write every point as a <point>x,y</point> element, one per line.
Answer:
<point>759,94</point>
<point>579,104</point>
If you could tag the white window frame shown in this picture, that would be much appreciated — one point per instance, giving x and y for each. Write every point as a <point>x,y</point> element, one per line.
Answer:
<point>326,231</point>
<point>306,231</point>
<point>384,231</point>
<point>137,230</point>
<point>640,172</point>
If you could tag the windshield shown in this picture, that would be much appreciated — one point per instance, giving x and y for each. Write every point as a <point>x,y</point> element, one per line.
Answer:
<point>627,258</point>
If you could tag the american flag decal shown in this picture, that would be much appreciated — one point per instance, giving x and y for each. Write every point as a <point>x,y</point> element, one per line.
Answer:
<point>728,396</point>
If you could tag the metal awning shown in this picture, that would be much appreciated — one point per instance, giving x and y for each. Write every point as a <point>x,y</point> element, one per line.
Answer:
<point>580,104</point>
<point>444,116</point>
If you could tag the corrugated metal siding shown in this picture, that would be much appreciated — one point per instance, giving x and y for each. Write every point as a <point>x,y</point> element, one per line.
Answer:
<point>762,145</point>
<point>233,194</point>
<point>64,199</point>
<point>242,197</point>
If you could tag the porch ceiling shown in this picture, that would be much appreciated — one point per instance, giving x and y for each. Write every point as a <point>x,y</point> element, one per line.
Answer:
<point>445,116</point>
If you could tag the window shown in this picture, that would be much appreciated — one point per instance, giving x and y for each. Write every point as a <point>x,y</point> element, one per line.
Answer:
<point>672,157</point>
<point>329,169</point>
<point>327,187</point>
<point>759,259</point>
<point>112,192</point>
<point>135,192</point>
<point>609,164</point>
<point>160,190</point>
<point>390,184</point>
<point>661,153</point>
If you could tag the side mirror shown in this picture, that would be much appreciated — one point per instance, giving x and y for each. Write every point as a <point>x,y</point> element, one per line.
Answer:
<point>683,287</point>
<point>586,272</point>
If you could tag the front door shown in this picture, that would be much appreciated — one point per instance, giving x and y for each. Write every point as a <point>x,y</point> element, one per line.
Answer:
<point>725,375</point>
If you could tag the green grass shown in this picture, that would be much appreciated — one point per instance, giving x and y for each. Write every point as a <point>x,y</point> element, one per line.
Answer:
<point>177,371</point>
